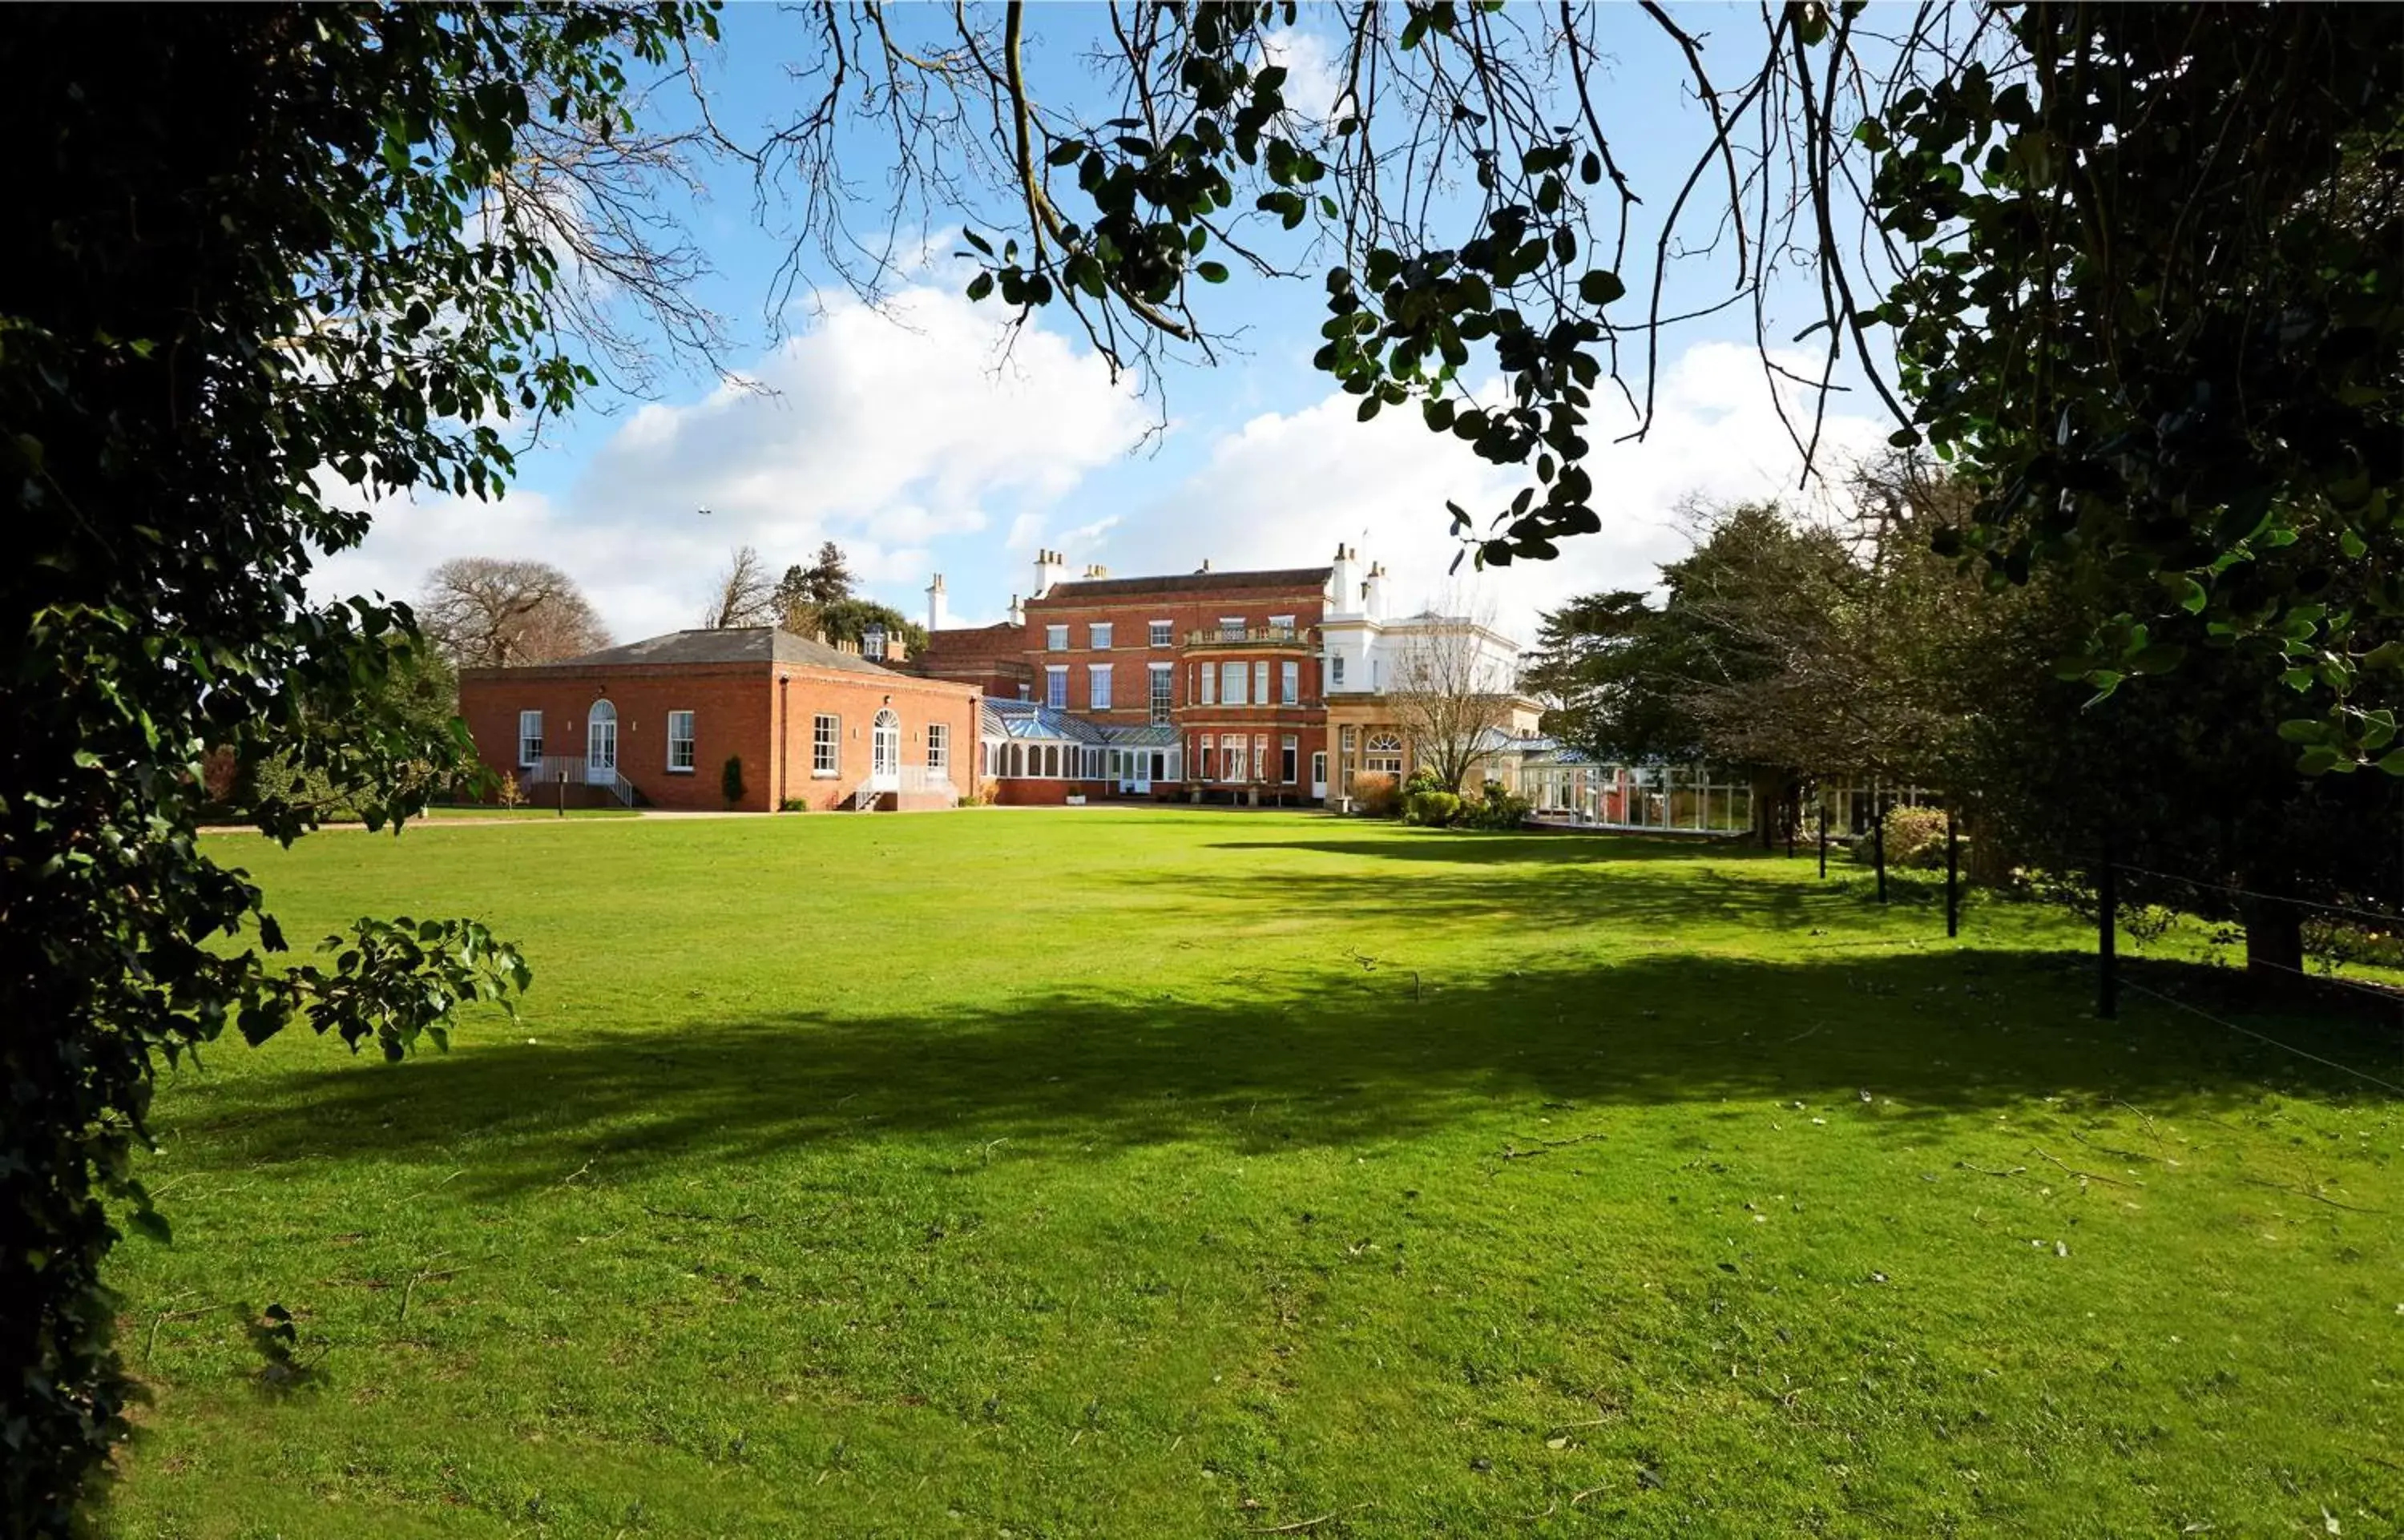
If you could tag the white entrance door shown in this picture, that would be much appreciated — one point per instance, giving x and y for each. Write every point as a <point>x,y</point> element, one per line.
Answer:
<point>1319,776</point>
<point>601,745</point>
<point>885,754</point>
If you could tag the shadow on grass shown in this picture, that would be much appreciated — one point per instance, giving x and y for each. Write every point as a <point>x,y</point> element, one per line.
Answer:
<point>1286,1062</point>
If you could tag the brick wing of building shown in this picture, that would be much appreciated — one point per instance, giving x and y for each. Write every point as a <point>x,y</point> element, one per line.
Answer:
<point>1252,687</point>
<point>655,722</point>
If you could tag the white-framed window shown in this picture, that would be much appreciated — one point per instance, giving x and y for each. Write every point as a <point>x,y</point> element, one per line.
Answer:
<point>1382,754</point>
<point>1164,680</point>
<point>1202,757</point>
<point>1055,639</point>
<point>1164,633</point>
<point>1100,631</point>
<point>939,746</point>
<point>530,739</point>
<point>826,745</point>
<point>1231,760</point>
<point>1261,683</point>
<point>1052,761</point>
<point>1335,671</point>
<point>1209,685</point>
<point>1231,628</point>
<point>1290,682</point>
<point>1231,683</point>
<point>1260,756</point>
<point>680,743</point>
<point>1281,623</point>
<point>1098,686</point>
<point>1056,686</point>
<point>1289,759</point>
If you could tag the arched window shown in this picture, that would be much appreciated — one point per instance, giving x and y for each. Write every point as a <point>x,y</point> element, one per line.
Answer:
<point>1383,755</point>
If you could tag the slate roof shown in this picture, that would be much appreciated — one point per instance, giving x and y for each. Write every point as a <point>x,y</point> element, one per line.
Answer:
<point>1288,578</point>
<point>737,644</point>
<point>1493,740</point>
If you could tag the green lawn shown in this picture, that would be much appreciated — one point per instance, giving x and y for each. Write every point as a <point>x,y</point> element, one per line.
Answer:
<point>1189,1174</point>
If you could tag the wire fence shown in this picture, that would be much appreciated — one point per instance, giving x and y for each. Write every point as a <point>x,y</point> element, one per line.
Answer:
<point>2112,978</point>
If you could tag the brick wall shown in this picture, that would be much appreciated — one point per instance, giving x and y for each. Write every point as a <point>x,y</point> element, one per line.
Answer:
<point>735,714</point>
<point>1131,652</point>
<point>854,700</point>
<point>729,704</point>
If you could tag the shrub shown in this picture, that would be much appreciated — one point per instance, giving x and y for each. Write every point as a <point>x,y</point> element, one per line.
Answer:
<point>1431,809</point>
<point>729,780</point>
<point>510,794</point>
<point>1498,809</point>
<point>1377,795</point>
<point>1915,840</point>
<point>1423,779</point>
<point>794,804</point>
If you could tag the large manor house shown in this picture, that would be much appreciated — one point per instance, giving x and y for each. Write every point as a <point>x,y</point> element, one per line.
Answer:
<point>1259,688</point>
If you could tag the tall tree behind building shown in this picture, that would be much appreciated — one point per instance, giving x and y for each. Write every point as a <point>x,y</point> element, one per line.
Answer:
<point>485,612</point>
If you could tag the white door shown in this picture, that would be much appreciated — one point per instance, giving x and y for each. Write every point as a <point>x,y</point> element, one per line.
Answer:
<point>1319,776</point>
<point>601,745</point>
<point>884,752</point>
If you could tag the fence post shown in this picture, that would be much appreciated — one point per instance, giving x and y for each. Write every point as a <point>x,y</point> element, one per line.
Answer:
<point>1824,839</point>
<point>1877,850</point>
<point>2107,927</point>
<point>1952,877</point>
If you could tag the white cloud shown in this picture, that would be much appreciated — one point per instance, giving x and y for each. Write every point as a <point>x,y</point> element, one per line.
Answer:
<point>1286,488</point>
<point>1312,84</point>
<point>885,431</point>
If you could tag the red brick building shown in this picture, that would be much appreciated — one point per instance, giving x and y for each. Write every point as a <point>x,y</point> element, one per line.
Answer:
<point>654,723</point>
<point>1204,685</point>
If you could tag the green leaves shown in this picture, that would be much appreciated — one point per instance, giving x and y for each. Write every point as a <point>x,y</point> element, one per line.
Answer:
<point>1600,288</point>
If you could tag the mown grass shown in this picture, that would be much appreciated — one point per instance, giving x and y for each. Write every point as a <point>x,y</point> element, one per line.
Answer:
<point>1134,1173</point>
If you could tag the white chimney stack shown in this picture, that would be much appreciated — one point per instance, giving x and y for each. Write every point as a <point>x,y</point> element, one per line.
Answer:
<point>1051,568</point>
<point>939,610</point>
<point>1344,582</point>
<point>1372,592</point>
<point>1017,611</point>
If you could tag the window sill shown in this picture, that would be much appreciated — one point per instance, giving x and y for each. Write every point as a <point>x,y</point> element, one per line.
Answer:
<point>826,775</point>
<point>680,770</point>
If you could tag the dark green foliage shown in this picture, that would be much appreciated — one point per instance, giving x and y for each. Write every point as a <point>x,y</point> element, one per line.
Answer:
<point>1497,808</point>
<point>1431,809</point>
<point>2159,318</point>
<point>826,581</point>
<point>850,620</point>
<point>730,779</point>
<point>247,298</point>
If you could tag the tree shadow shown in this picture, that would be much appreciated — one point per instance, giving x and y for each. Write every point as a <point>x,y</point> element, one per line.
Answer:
<point>1299,1058</point>
<point>1462,847</point>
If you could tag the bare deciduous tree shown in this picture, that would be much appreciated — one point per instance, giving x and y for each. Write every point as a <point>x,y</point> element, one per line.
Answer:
<point>744,595</point>
<point>486,613</point>
<point>1452,684</point>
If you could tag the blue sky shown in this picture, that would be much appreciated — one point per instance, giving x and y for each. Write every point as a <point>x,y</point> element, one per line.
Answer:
<point>913,439</point>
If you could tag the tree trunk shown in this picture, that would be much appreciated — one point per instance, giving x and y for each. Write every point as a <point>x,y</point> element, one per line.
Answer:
<point>2275,937</point>
<point>1986,861</point>
<point>1770,792</point>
